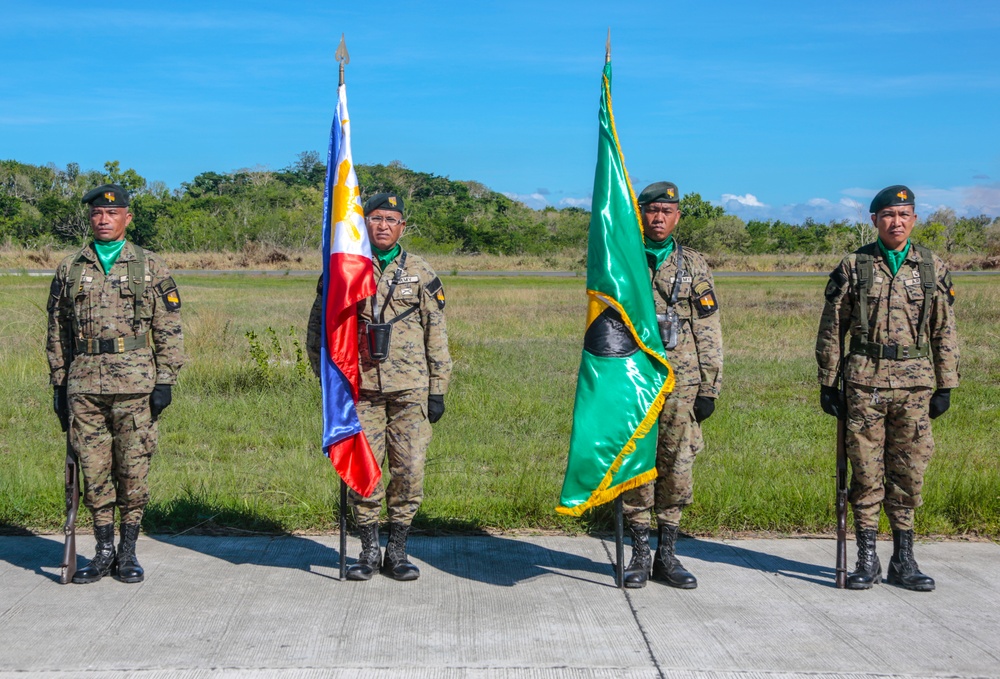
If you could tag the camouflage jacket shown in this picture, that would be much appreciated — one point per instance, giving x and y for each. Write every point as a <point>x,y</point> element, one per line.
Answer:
<point>894,306</point>
<point>418,351</point>
<point>697,358</point>
<point>102,309</point>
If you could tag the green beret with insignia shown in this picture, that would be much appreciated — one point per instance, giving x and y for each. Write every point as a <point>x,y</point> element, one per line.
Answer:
<point>892,195</point>
<point>660,192</point>
<point>384,201</point>
<point>106,195</point>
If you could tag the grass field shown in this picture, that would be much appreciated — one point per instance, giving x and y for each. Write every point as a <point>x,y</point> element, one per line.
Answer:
<point>239,447</point>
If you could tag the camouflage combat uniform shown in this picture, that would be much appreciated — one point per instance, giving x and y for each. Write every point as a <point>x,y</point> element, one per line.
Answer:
<point>888,433</point>
<point>392,404</point>
<point>112,430</point>
<point>697,364</point>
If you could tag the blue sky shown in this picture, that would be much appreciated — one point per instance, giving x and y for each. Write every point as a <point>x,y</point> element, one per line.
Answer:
<point>772,109</point>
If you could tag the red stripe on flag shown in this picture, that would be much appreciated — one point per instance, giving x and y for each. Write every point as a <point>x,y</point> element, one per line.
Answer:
<point>354,461</point>
<point>350,281</point>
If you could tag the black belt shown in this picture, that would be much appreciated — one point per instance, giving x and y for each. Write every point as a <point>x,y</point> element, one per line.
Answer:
<point>896,352</point>
<point>116,345</point>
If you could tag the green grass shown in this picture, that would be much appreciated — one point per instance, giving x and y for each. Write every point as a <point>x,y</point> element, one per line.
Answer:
<point>239,447</point>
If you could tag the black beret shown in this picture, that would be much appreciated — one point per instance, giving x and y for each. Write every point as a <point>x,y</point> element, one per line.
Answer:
<point>892,195</point>
<point>660,192</point>
<point>106,195</point>
<point>384,201</point>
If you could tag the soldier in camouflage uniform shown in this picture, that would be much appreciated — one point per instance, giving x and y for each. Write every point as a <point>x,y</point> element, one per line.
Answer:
<point>114,349</point>
<point>687,312</point>
<point>405,368</point>
<point>888,325</point>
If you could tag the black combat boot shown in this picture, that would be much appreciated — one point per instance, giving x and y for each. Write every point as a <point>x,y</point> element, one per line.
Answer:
<point>637,571</point>
<point>129,569</point>
<point>395,564</point>
<point>903,569</point>
<point>103,562</point>
<point>666,567</point>
<point>868,572</point>
<point>371,554</point>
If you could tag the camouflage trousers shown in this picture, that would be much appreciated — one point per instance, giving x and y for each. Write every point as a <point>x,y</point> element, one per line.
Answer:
<point>889,444</point>
<point>396,426</point>
<point>677,447</point>
<point>114,437</point>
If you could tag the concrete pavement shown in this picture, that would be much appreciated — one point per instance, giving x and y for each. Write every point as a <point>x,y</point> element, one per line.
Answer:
<point>492,606</point>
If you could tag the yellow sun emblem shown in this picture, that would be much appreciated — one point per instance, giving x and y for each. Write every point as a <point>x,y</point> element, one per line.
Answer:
<point>345,200</point>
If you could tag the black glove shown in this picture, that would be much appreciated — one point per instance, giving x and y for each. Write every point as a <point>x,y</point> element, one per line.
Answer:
<point>60,404</point>
<point>831,403</point>
<point>435,407</point>
<point>940,402</point>
<point>159,399</point>
<point>703,408</point>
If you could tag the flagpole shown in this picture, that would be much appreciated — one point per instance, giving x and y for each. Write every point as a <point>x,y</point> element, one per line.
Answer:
<point>619,544</point>
<point>343,529</point>
<point>619,512</point>
<point>344,58</point>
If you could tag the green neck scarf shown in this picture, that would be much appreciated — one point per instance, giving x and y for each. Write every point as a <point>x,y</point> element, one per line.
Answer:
<point>107,252</point>
<point>385,257</point>
<point>658,251</point>
<point>894,258</point>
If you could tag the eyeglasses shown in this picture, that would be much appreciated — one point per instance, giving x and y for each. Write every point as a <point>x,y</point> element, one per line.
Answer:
<point>389,221</point>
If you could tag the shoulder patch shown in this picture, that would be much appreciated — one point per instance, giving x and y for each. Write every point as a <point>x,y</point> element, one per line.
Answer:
<point>836,285</point>
<point>705,302</point>
<point>948,288</point>
<point>167,289</point>
<point>436,290</point>
<point>55,292</point>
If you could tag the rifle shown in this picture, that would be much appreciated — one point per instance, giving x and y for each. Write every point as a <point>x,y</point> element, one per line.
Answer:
<point>68,568</point>
<point>842,481</point>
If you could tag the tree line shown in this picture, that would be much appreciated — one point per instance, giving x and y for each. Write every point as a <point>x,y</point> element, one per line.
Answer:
<point>40,205</point>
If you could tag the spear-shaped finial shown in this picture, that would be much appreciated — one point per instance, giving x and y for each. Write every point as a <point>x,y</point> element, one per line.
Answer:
<point>344,58</point>
<point>607,48</point>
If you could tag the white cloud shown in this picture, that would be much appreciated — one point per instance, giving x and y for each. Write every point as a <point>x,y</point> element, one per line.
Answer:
<point>576,202</point>
<point>818,209</point>
<point>535,201</point>
<point>749,200</point>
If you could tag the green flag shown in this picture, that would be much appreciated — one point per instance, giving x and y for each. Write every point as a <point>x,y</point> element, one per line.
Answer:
<point>624,375</point>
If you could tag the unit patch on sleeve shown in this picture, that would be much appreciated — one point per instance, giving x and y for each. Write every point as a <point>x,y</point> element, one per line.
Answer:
<point>436,290</point>
<point>705,301</point>
<point>948,287</point>
<point>167,289</point>
<point>835,286</point>
<point>55,292</point>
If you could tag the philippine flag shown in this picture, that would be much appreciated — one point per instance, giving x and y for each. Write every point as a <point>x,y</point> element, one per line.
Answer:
<point>347,279</point>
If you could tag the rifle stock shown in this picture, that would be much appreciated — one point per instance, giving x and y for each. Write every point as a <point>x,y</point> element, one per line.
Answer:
<point>68,567</point>
<point>842,491</point>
